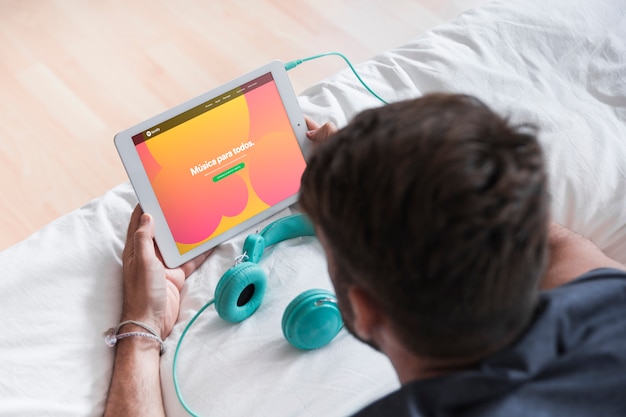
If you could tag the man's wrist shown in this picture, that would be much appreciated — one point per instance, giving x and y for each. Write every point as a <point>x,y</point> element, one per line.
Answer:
<point>134,330</point>
<point>137,343</point>
<point>132,326</point>
<point>147,323</point>
<point>135,384</point>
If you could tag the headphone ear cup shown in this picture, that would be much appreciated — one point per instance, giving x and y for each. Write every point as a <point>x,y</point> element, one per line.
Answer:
<point>240,291</point>
<point>312,319</point>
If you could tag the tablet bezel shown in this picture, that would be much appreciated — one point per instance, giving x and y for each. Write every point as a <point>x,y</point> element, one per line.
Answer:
<point>143,188</point>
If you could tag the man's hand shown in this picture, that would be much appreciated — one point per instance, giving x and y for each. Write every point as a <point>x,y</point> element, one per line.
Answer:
<point>318,133</point>
<point>151,291</point>
<point>151,296</point>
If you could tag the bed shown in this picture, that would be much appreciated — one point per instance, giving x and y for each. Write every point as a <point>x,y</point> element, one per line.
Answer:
<point>560,64</point>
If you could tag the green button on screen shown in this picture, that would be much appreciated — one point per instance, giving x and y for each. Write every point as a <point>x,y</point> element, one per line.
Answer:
<point>228,172</point>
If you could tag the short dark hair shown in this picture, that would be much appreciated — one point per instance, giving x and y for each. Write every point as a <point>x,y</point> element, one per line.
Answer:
<point>438,208</point>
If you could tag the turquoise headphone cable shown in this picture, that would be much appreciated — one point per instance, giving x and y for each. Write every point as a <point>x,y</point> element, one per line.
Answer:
<point>292,64</point>
<point>180,341</point>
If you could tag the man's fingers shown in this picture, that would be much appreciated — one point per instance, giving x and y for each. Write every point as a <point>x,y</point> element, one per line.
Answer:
<point>177,276</point>
<point>143,237</point>
<point>322,132</point>
<point>190,266</point>
<point>311,124</point>
<point>133,224</point>
<point>140,239</point>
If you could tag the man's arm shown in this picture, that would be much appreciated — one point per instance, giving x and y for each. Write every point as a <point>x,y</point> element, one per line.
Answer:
<point>571,255</point>
<point>136,384</point>
<point>152,297</point>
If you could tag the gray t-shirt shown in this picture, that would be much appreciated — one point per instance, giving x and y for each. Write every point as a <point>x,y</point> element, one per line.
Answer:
<point>570,362</point>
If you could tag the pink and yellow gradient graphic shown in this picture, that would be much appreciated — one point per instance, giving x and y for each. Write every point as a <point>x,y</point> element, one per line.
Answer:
<point>198,207</point>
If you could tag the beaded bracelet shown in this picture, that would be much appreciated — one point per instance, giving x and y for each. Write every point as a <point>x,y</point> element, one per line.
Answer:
<point>112,336</point>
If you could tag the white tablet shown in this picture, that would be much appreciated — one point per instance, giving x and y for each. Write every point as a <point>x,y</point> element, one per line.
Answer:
<point>219,163</point>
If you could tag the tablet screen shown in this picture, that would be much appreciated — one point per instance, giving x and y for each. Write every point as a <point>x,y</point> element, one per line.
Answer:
<point>222,162</point>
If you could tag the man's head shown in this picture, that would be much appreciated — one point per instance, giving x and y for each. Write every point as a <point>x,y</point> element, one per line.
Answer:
<point>437,209</point>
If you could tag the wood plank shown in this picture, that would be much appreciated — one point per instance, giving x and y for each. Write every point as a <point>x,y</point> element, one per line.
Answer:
<point>74,73</point>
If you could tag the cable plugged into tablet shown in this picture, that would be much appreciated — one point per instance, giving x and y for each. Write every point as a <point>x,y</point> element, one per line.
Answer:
<point>292,64</point>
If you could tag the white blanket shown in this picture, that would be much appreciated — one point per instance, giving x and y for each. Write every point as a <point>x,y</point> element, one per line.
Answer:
<point>558,63</point>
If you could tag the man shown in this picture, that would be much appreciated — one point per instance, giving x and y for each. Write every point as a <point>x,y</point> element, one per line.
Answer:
<point>434,217</point>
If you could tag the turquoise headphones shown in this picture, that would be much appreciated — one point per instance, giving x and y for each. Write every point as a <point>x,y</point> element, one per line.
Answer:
<point>310,321</point>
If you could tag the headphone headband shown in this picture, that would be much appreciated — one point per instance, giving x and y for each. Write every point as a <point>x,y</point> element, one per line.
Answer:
<point>310,321</point>
<point>285,228</point>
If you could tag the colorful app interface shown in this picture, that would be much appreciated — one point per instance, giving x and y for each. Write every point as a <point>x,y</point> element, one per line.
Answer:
<point>222,162</point>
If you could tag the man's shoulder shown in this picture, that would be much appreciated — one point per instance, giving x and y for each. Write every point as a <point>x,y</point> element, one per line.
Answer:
<point>610,274</point>
<point>576,330</point>
<point>582,315</point>
<point>597,287</point>
<point>400,403</point>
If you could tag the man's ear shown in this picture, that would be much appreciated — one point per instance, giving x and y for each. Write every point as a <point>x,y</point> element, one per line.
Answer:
<point>367,313</point>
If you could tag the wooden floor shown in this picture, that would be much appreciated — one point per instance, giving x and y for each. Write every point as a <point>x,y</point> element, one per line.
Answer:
<point>74,73</point>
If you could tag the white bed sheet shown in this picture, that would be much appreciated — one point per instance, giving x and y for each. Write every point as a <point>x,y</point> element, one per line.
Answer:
<point>558,63</point>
